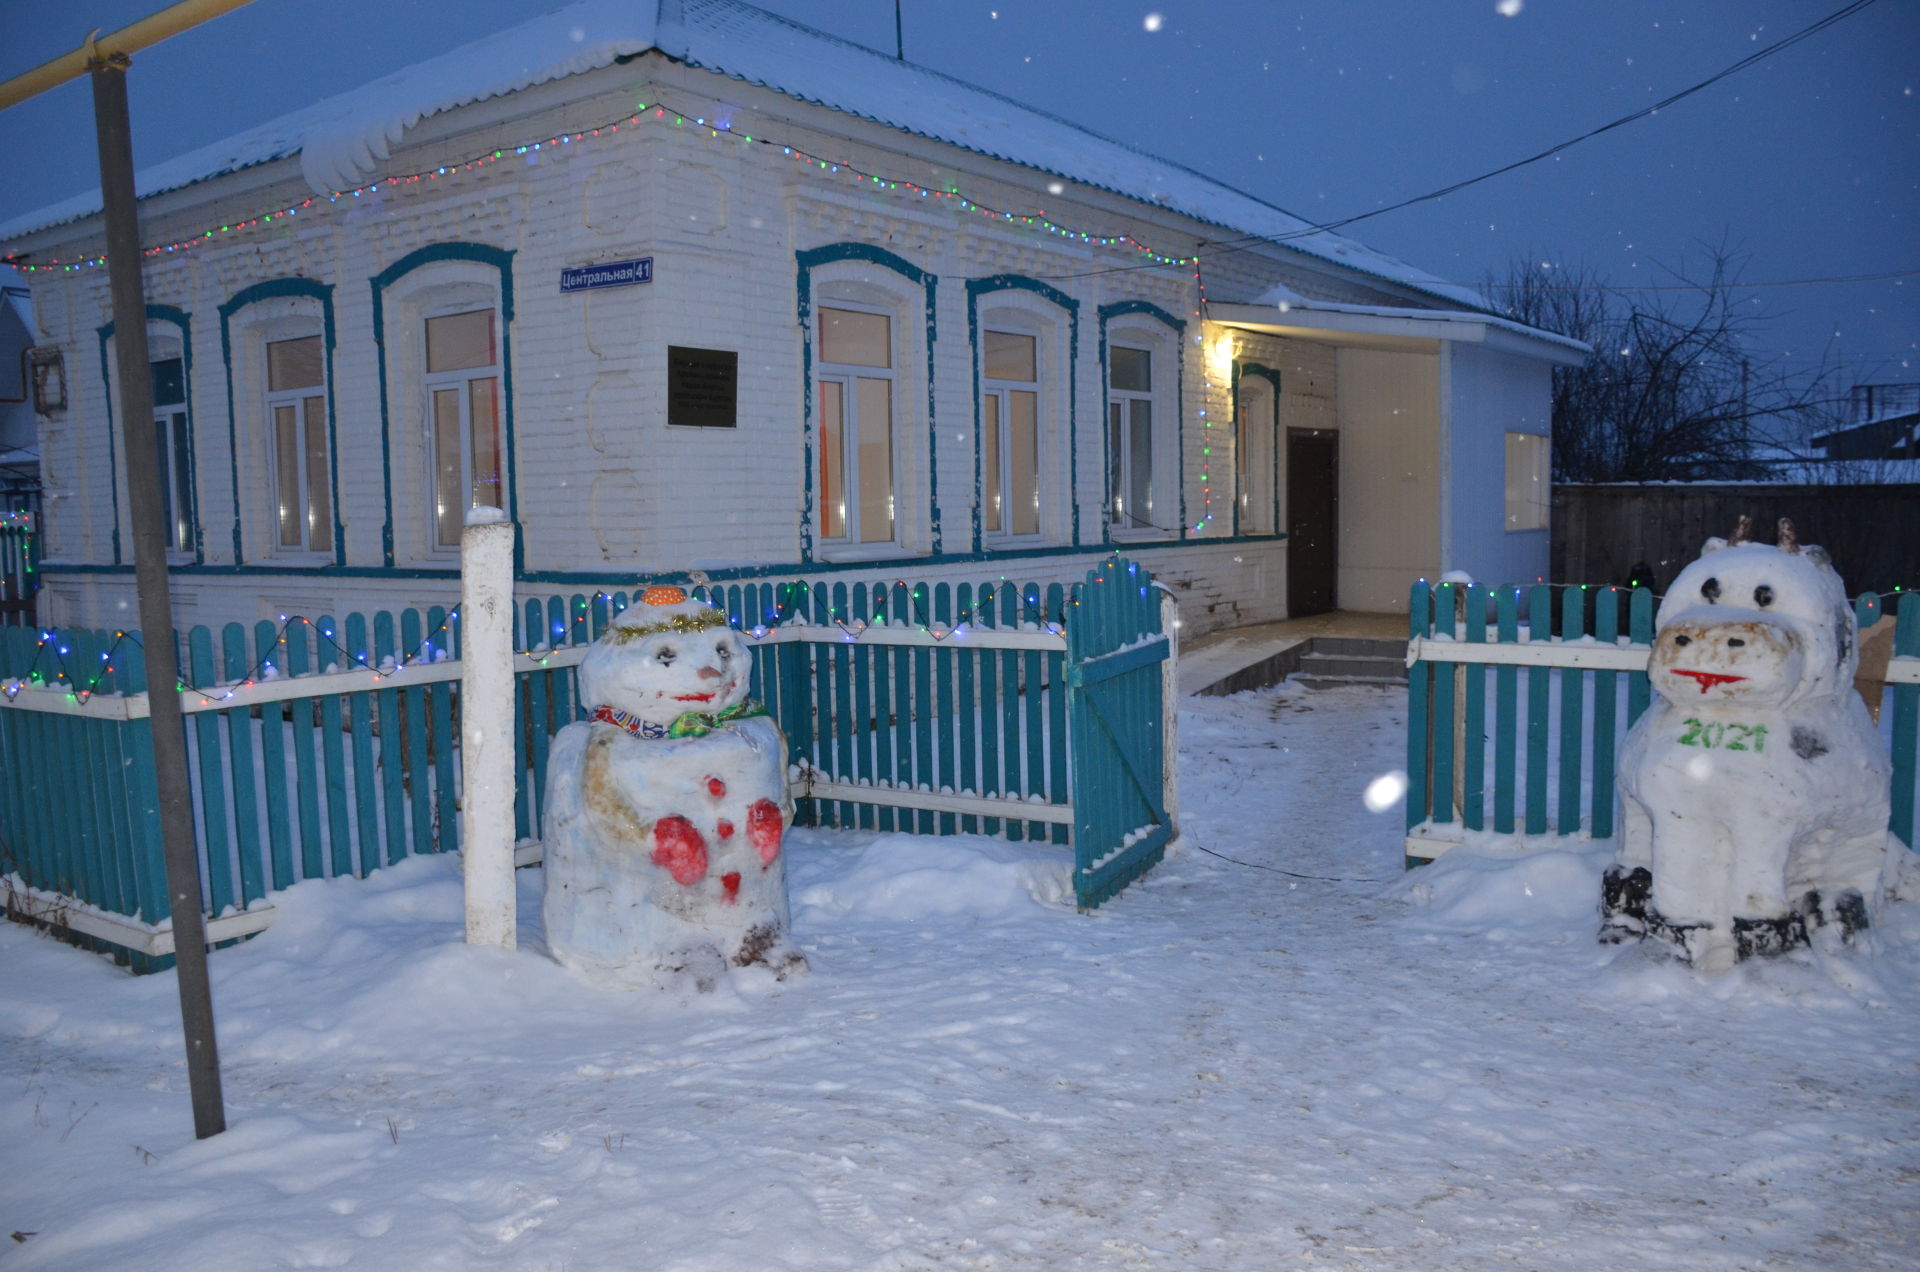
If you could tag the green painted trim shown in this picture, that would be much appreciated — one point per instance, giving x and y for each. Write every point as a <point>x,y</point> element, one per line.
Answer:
<point>180,319</point>
<point>807,260</point>
<point>501,259</point>
<point>1272,377</point>
<point>978,287</point>
<point>277,289</point>
<point>1120,309</point>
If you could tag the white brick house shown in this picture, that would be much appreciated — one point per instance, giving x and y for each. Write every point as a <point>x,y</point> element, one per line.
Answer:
<point>967,340</point>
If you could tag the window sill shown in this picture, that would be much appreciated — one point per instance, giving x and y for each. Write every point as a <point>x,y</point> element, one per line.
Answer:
<point>302,561</point>
<point>1142,536</point>
<point>865,552</point>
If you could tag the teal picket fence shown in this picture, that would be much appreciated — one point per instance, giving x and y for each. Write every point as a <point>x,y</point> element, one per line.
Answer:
<point>321,748</point>
<point>19,570</point>
<point>1513,726</point>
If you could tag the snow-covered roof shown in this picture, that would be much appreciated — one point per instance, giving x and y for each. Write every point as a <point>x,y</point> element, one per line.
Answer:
<point>1282,309</point>
<point>343,140</point>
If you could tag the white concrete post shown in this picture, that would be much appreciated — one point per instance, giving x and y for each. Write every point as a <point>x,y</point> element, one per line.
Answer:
<point>486,725</point>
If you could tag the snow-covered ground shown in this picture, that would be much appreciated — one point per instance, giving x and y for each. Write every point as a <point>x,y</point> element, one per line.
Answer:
<point>1302,1058</point>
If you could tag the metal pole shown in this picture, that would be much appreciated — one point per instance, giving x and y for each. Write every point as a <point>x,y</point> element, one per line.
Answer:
<point>129,39</point>
<point>150,573</point>
<point>899,38</point>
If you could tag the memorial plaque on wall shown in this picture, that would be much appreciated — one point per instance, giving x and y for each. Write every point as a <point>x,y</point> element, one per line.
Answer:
<point>701,386</point>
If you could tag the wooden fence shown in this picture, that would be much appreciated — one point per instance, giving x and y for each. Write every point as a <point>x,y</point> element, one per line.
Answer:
<point>320,748</point>
<point>1514,729</point>
<point>1603,532</point>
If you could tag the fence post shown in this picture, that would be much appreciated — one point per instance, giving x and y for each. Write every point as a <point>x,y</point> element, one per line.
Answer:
<point>486,726</point>
<point>1170,706</point>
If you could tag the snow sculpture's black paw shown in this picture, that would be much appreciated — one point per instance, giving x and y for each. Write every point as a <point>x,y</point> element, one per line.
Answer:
<point>1846,911</point>
<point>1765,937</point>
<point>1624,896</point>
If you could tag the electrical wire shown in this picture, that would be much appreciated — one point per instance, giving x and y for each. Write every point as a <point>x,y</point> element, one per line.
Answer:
<point>1246,241</point>
<point>1735,285</point>
<point>1292,874</point>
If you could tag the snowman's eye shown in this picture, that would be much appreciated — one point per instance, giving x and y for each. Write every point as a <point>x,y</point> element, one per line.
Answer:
<point>1711,590</point>
<point>725,652</point>
<point>665,655</point>
<point>1763,596</point>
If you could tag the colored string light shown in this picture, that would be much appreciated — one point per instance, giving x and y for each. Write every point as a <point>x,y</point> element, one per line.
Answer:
<point>717,129</point>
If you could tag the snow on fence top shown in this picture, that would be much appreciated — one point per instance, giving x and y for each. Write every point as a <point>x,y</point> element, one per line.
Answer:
<point>343,140</point>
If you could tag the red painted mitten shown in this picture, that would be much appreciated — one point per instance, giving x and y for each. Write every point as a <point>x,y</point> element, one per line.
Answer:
<point>680,850</point>
<point>764,829</point>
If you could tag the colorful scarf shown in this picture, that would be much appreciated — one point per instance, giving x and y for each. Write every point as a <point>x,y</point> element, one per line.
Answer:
<point>691,724</point>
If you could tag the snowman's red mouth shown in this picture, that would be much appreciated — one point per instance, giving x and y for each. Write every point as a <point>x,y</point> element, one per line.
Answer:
<point>694,697</point>
<point>1708,679</point>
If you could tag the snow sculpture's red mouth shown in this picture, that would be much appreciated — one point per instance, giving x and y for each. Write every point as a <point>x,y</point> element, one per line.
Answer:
<point>1708,679</point>
<point>707,697</point>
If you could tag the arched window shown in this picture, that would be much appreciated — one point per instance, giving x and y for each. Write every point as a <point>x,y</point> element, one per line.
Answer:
<point>870,469</point>
<point>279,372</point>
<point>1025,334</point>
<point>1141,350</point>
<point>1256,428</point>
<point>443,315</point>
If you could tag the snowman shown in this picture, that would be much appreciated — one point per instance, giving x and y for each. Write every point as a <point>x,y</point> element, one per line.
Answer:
<point>665,810</point>
<point>1755,789</point>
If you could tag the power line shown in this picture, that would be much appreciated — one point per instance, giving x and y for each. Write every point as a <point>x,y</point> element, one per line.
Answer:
<point>1734,285</point>
<point>1238,244</point>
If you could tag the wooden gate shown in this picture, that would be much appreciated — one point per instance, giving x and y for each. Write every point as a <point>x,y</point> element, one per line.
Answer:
<point>1118,727</point>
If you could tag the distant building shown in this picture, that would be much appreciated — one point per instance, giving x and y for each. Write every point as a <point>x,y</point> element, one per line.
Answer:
<point>1883,422</point>
<point>19,446</point>
<point>680,284</point>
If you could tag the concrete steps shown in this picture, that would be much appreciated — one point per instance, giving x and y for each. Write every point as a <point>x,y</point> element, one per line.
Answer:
<point>1320,662</point>
<point>1346,660</point>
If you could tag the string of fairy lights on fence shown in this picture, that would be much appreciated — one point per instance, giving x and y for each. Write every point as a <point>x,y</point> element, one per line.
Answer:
<point>643,112</point>
<point>54,648</point>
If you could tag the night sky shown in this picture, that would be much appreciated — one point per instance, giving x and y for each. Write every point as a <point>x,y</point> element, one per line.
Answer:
<point>1806,164</point>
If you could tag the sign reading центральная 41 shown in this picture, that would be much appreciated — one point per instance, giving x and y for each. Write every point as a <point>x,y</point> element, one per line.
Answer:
<point>610,274</point>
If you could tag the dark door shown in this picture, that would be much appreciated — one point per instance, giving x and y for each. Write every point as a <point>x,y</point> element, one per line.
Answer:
<point>1313,514</point>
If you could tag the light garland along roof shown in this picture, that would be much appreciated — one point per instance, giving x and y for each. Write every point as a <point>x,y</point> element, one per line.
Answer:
<point>343,140</point>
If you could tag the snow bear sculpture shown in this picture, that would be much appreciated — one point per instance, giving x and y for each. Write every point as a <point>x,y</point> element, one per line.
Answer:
<point>665,811</point>
<point>1755,788</point>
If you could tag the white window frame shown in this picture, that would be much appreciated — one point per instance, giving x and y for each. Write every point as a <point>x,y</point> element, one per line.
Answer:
<point>1162,520</point>
<point>173,435</point>
<point>1049,427</point>
<point>1248,473</point>
<point>460,382</point>
<point>431,291</point>
<point>1529,482</point>
<point>863,288</point>
<point>271,333</point>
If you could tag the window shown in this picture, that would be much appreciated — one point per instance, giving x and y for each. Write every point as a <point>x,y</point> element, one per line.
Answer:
<point>297,425</point>
<point>856,452</point>
<point>1529,484</point>
<point>1010,434</point>
<point>1130,438</point>
<point>463,418</point>
<point>175,452</point>
<point>1255,427</point>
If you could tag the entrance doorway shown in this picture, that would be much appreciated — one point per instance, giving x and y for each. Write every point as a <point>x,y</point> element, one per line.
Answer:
<point>1313,519</point>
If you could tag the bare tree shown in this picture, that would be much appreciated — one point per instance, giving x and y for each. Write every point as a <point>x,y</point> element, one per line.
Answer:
<point>1671,391</point>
